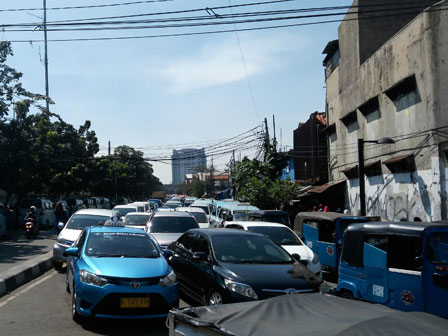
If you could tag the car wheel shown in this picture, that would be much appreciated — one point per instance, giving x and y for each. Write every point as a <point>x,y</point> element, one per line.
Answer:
<point>214,298</point>
<point>346,294</point>
<point>75,315</point>
<point>57,265</point>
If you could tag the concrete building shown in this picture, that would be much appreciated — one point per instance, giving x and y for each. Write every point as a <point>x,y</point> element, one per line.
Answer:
<point>310,150</point>
<point>187,161</point>
<point>388,77</point>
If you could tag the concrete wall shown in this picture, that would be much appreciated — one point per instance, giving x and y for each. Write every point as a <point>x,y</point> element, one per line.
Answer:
<point>419,49</point>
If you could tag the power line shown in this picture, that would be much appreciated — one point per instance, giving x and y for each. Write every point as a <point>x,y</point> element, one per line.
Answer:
<point>223,31</point>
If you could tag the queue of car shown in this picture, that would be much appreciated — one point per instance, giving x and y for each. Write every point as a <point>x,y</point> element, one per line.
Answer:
<point>250,255</point>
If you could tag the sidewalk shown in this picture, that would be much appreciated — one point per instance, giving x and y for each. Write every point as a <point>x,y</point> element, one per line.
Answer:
<point>22,259</point>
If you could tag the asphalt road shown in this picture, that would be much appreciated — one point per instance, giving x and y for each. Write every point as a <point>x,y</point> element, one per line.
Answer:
<point>42,307</point>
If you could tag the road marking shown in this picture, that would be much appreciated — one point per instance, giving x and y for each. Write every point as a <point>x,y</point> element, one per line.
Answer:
<point>26,289</point>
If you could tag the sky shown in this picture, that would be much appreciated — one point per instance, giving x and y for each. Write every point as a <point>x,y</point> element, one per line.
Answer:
<point>186,91</point>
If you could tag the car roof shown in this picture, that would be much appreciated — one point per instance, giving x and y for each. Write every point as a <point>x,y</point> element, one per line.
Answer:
<point>139,203</point>
<point>112,228</point>
<point>190,209</point>
<point>95,212</point>
<point>172,214</point>
<point>407,228</point>
<point>214,232</point>
<point>269,212</point>
<point>138,214</point>
<point>122,206</point>
<point>257,223</point>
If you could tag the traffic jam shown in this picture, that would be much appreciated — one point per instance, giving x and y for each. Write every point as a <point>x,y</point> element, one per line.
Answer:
<point>140,260</point>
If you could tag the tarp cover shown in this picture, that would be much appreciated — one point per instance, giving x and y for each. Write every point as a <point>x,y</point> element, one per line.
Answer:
<point>311,314</point>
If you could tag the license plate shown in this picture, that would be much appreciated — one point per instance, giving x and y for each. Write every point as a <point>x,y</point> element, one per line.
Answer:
<point>134,302</point>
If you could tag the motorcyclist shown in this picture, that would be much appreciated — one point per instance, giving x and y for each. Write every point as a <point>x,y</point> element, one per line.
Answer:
<point>61,216</point>
<point>31,216</point>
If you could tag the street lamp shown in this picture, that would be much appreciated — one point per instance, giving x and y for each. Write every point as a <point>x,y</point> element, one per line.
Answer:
<point>362,185</point>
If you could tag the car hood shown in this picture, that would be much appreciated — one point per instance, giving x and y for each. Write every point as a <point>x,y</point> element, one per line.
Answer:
<point>303,251</point>
<point>270,276</point>
<point>70,234</point>
<point>166,238</point>
<point>129,267</point>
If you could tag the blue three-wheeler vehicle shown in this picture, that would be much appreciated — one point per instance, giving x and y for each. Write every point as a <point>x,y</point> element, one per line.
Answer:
<point>401,265</point>
<point>323,232</point>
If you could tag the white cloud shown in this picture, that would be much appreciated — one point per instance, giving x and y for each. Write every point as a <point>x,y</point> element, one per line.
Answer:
<point>221,63</point>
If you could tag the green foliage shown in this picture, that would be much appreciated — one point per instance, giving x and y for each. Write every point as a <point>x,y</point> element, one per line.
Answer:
<point>195,188</point>
<point>257,182</point>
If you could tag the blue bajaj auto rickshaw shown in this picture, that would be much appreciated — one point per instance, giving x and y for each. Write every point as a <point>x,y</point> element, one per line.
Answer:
<point>322,232</point>
<point>401,265</point>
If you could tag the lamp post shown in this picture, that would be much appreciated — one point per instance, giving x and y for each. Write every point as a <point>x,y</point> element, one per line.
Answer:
<point>362,185</point>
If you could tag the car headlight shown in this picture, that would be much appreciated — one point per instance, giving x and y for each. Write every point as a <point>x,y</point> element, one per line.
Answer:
<point>91,278</point>
<point>315,259</point>
<point>168,280</point>
<point>240,288</point>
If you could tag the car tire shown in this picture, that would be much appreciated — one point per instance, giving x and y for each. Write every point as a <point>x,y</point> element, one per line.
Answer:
<point>214,298</point>
<point>57,265</point>
<point>346,294</point>
<point>75,315</point>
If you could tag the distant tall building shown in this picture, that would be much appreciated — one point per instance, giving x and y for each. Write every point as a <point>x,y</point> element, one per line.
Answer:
<point>187,161</point>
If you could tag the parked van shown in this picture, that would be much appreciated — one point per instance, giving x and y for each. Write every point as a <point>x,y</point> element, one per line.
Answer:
<point>403,265</point>
<point>44,208</point>
<point>323,233</point>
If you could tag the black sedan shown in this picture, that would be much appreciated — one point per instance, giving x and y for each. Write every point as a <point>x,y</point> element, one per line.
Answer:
<point>216,266</point>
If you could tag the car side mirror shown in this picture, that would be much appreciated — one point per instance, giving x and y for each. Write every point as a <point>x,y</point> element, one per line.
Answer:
<point>296,257</point>
<point>71,251</point>
<point>200,256</point>
<point>60,225</point>
<point>168,254</point>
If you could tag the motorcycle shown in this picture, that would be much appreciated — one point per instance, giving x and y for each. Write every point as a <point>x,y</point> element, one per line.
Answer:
<point>31,229</point>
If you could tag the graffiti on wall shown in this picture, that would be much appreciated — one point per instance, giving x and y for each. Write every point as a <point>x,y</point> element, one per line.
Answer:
<point>396,201</point>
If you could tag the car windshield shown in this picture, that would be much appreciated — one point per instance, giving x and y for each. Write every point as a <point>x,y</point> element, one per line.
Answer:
<point>79,222</point>
<point>26,204</point>
<point>249,249</point>
<point>203,207</point>
<point>136,219</point>
<point>120,245</point>
<point>240,216</point>
<point>171,205</point>
<point>167,224</point>
<point>280,235</point>
<point>437,247</point>
<point>141,208</point>
<point>124,211</point>
<point>200,217</point>
<point>281,219</point>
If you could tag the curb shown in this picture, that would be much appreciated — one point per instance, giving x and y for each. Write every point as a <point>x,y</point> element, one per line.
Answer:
<point>18,275</point>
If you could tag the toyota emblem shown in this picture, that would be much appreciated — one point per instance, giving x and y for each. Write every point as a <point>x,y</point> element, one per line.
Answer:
<point>290,291</point>
<point>135,284</point>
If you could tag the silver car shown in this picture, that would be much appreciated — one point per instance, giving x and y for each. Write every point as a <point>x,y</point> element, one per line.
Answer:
<point>71,231</point>
<point>167,226</point>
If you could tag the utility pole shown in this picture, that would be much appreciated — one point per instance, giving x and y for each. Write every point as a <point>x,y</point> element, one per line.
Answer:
<point>274,142</point>
<point>108,150</point>
<point>47,90</point>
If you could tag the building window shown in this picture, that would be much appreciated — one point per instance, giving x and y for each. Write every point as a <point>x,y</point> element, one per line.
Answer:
<point>350,120</point>
<point>401,164</point>
<point>331,132</point>
<point>371,109</point>
<point>404,94</point>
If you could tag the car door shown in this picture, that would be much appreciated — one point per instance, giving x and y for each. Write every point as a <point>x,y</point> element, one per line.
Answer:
<point>201,270</point>
<point>71,261</point>
<point>180,262</point>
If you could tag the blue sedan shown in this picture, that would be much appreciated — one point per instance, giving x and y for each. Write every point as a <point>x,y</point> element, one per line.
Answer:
<point>119,272</point>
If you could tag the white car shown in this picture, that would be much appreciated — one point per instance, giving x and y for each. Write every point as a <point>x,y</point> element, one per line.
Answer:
<point>136,220</point>
<point>71,231</point>
<point>284,236</point>
<point>200,215</point>
<point>124,209</point>
<point>142,206</point>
